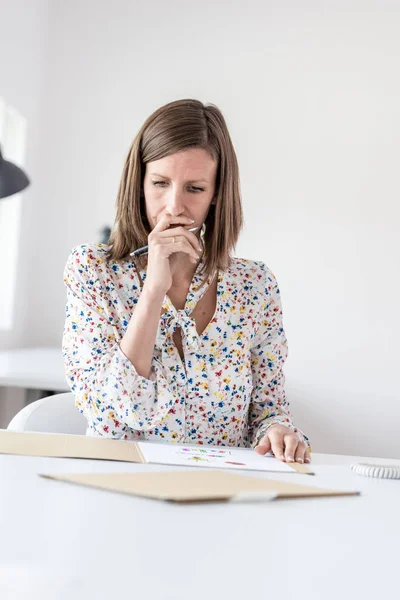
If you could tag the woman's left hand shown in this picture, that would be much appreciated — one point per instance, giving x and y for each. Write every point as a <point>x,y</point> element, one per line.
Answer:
<point>285,444</point>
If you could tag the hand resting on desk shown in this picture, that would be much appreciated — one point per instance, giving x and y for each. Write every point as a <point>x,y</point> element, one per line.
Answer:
<point>284,444</point>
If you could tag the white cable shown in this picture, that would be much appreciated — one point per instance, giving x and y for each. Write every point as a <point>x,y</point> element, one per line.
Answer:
<point>381,471</point>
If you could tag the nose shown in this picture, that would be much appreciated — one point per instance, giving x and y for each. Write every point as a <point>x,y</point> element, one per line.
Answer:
<point>175,205</point>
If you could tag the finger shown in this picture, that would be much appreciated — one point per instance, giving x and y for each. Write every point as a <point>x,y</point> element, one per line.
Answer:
<point>277,444</point>
<point>177,232</point>
<point>172,241</point>
<point>180,246</point>
<point>291,443</point>
<point>264,445</point>
<point>167,220</point>
<point>300,453</point>
<point>307,456</point>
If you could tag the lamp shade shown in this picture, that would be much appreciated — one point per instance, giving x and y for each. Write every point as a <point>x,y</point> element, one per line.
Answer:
<point>12,178</point>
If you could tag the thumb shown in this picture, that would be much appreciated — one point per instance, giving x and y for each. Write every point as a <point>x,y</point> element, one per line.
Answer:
<point>264,445</point>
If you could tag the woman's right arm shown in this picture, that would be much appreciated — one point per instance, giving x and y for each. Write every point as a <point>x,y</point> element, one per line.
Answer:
<point>108,390</point>
<point>139,339</point>
<point>117,382</point>
<point>164,241</point>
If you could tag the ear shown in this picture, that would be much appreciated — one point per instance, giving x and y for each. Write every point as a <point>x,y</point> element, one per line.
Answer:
<point>214,200</point>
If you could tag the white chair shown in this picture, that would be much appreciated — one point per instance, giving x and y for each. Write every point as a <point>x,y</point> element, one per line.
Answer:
<point>54,414</point>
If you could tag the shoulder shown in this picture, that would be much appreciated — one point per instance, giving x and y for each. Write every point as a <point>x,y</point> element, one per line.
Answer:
<point>86,259</point>
<point>252,273</point>
<point>254,282</point>
<point>88,266</point>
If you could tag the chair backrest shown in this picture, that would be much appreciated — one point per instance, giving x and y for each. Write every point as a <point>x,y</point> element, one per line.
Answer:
<point>54,414</point>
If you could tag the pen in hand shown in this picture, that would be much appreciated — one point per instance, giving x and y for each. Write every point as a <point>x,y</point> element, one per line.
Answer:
<point>145,249</point>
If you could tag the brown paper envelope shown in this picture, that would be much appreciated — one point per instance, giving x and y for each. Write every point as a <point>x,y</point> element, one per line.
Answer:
<point>190,486</point>
<point>68,446</point>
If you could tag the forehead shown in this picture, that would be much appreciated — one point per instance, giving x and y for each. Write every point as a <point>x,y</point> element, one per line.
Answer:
<point>194,163</point>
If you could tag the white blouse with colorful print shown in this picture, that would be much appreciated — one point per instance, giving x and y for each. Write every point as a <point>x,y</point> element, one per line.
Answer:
<point>228,389</point>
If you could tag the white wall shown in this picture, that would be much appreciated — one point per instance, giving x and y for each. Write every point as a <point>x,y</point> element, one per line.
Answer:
<point>311,93</point>
<point>22,49</point>
<point>23,33</point>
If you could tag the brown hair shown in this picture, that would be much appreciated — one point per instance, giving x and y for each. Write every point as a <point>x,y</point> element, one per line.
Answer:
<point>174,127</point>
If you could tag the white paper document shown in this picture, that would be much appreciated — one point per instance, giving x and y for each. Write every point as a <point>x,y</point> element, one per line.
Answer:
<point>211,456</point>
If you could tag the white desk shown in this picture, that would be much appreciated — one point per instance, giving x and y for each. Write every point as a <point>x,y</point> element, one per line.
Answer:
<point>65,541</point>
<point>40,369</point>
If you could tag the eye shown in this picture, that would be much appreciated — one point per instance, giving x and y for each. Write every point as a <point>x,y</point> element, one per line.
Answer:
<point>160,183</point>
<point>196,189</point>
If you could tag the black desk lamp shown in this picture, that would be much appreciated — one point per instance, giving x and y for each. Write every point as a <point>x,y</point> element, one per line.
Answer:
<point>12,178</point>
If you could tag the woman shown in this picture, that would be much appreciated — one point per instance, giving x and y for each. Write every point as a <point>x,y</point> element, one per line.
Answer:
<point>185,344</point>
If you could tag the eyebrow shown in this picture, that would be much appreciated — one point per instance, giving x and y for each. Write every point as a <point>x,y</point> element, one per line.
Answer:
<point>191,181</point>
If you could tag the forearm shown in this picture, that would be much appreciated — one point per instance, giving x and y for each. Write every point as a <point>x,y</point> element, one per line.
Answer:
<point>110,393</point>
<point>139,339</point>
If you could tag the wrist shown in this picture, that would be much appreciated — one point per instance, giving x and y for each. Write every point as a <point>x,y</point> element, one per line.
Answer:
<point>153,293</point>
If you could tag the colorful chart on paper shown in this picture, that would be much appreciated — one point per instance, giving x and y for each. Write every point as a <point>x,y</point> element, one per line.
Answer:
<point>210,456</point>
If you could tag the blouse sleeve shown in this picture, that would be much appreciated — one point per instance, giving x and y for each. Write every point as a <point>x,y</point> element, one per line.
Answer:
<point>107,388</point>
<point>269,405</point>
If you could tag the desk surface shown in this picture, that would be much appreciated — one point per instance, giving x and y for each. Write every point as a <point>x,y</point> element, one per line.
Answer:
<point>34,368</point>
<point>71,541</point>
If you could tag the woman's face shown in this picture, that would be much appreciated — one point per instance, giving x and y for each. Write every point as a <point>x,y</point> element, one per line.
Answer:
<point>182,184</point>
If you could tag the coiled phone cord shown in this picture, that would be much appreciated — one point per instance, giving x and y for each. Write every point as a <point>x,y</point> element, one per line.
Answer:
<point>380,471</point>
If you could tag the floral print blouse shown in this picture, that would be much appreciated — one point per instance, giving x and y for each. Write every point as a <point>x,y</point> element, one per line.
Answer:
<point>227,390</point>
